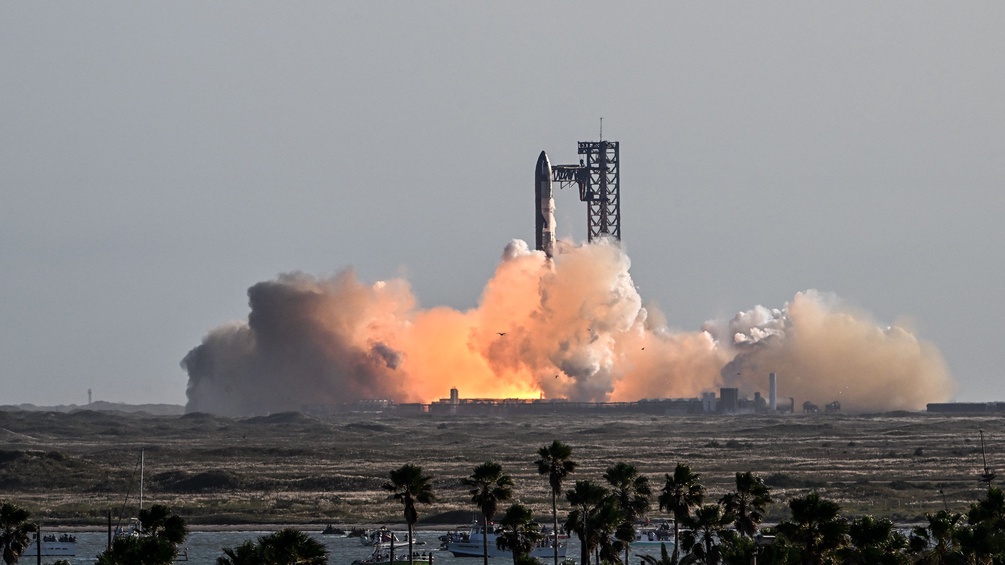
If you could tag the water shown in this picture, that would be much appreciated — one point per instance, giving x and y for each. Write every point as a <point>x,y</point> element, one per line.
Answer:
<point>205,547</point>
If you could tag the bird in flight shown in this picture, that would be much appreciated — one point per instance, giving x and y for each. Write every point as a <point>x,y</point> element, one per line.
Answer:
<point>501,333</point>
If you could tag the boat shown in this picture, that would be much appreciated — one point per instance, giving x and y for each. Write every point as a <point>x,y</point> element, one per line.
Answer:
<point>549,532</point>
<point>377,537</point>
<point>132,528</point>
<point>63,545</point>
<point>470,543</point>
<point>382,556</point>
<point>654,534</point>
<point>331,530</point>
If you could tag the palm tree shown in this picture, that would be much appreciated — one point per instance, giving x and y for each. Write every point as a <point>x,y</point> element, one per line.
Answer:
<point>680,494</point>
<point>14,530</point>
<point>248,553</point>
<point>609,532</point>
<point>520,533</point>
<point>138,550</point>
<point>158,521</point>
<point>874,542</point>
<point>408,485</point>
<point>160,534</point>
<point>985,538</point>
<point>588,498</point>
<point>555,462</point>
<point>747,504</point>
<point>632,493</point>
<point>489,487</point>
<point>284,547</point>
<point>937,543</point>
<point>990,509</point>
<point>290,546</point>
<point>816,528</point>
<point>664,558</point>
<point>706,526</point>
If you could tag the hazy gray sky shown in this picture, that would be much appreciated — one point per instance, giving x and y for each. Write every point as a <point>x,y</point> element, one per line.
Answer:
<point>159,158</point>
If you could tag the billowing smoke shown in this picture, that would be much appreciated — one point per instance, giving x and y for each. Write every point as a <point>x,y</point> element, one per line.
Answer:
<point>825,351</point>
<point>572,327</point>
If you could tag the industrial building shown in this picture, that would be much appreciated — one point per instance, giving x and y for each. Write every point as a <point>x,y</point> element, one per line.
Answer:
<point>728,402</point>
<point>966,407</point>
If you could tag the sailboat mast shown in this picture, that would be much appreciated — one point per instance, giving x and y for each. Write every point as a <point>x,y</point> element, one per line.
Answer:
<point>983,453</point>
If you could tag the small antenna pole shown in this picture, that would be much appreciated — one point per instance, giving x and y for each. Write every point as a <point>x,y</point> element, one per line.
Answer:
<point>601,128</point>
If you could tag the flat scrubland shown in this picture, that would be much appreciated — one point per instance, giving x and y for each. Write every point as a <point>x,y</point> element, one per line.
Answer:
<point>292,468</point>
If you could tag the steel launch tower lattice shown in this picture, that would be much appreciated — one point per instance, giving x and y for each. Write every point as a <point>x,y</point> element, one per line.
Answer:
<point>602,192</point>
<point>598,177</point>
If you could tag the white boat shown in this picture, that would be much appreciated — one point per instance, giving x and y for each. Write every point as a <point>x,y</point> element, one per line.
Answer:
<point>382,556</point>
<point>376,537</point>
<point>132,529</point>
<point>654,534</point>
<point>469,543</point>
<point>63,545</point>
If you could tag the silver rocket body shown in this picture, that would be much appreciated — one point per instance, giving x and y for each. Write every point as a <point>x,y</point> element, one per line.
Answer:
<point>545,204</point>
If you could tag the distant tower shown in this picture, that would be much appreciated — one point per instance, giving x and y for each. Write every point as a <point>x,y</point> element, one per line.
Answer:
<point>598,177</point>
<point>455,399</point>
<point>88,396</point>
<point>708,404</point>
<point>772,392</point>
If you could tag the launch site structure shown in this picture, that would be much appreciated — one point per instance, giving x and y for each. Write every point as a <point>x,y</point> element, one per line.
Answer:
<point>598,177</point>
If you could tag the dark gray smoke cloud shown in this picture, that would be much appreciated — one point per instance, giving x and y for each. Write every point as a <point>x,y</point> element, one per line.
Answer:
<point>296,349</point>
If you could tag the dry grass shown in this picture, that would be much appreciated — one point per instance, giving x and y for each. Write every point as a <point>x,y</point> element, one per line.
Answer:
<point>73,468</point>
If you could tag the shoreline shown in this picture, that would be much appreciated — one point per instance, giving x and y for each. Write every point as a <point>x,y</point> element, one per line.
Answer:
<point>209,528</point>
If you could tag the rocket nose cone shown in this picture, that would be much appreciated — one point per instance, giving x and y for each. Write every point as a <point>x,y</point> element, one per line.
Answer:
<point>542,162</point>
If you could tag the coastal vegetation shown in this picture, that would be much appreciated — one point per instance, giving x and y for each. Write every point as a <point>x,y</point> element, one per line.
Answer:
<point>70,469</point>
<point>282,547</point>
<point>832,488</point>
<point>606,522</point>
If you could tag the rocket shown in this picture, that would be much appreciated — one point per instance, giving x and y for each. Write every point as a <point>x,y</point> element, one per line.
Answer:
<point>544,203</point>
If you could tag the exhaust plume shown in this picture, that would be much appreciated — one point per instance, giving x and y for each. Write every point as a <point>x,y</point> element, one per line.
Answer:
<point>570,327</point>
<point>826,351</point>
